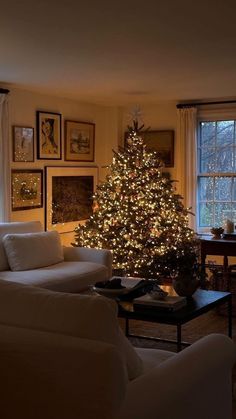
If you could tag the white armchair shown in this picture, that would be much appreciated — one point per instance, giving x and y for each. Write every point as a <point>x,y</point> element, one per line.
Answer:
<point>72,271</point>
<point>83,254</point>
<point>63,356</point>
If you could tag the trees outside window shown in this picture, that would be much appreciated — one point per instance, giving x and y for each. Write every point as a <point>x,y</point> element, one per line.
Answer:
<point>216,178</point>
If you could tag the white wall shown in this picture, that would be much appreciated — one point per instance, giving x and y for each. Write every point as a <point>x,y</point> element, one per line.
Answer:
<point>22,108</point>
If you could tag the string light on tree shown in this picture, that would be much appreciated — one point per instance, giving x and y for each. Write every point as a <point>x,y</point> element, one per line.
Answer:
<point>137,213</point>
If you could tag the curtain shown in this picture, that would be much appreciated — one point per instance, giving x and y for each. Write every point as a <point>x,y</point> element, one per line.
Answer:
<point>187,165</point>
<point>4,160</point>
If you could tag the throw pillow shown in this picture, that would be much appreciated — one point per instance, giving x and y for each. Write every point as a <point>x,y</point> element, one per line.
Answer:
<point>13,228</point>
<point>33,250</point>
<point>84,316</point>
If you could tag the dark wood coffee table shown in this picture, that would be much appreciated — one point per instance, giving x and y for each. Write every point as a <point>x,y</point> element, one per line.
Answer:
<point>201,302</point>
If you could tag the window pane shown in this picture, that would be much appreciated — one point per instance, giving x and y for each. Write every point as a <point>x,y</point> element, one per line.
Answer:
<point>223,188</point>
<point>206,188</point>
<point>216,163</point>
<point>221,211</point>
<point>234,213</point>
<point>234,158</point>
<point>207,160</point>
<point>205,214</point>
<point>234,190</point>
<point>224,160</point>
<point>227,214</point>
<point>225,133</point>
<point>207,134</point>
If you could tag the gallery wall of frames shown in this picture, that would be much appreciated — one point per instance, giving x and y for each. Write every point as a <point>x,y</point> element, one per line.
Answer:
<point>57,146</point>
<point>40,176</point>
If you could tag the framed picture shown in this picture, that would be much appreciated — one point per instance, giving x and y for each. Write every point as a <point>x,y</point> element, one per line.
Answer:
<point>27,189</point>
<point>23,144</point>
<point>69,192</point>
<point>79,141</point>
<point>166,175</point>
<point>160,141</point>
<point>48,135</point>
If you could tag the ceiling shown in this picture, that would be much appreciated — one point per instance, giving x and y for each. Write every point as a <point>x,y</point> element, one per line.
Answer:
<point>120,52</point>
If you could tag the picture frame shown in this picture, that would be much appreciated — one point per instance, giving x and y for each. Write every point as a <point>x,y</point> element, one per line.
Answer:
<point>161,141</point>
<point>48,135</point>
<point>27,189</point>
<point>166,175</point>
<point>22,144</point>
<point>69,192</point>
<point>79,141</point>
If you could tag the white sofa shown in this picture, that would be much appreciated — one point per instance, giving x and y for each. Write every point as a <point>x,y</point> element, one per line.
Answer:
<point>78,267</point>
<point>63,356</point>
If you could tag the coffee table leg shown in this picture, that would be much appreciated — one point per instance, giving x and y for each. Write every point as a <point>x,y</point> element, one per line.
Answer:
<point>230,317</point>
<point>179,345</point>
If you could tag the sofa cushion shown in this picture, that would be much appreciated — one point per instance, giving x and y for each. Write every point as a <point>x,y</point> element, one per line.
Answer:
<point>33,250</point>
<point>64,276</point>
<point>15,227</point>
<point>89,317</point>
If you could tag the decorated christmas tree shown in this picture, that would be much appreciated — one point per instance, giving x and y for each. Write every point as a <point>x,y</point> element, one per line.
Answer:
<point>138,215</point>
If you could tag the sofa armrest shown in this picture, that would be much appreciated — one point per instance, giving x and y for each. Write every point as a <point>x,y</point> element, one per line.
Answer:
<point>102,256</point>
<point>196,383</point>
<point>48,375</point>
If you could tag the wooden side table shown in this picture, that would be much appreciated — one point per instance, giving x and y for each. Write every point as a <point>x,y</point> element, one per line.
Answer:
<point>218,247</point>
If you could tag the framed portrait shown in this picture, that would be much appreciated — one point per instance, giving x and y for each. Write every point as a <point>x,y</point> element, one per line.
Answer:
<point>23,144</point>
<point>79,141</point>
<point>48,135</point>
<point>160,141</point>
<point>69,196</point>
<point>27,189</point>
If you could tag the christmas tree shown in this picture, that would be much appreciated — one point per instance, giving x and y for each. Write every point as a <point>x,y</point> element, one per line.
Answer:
<point>138,215</point>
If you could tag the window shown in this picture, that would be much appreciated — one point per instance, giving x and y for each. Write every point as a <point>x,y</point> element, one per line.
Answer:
<point>216,177</point>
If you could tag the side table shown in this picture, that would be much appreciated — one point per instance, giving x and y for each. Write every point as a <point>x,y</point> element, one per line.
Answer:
<point>218,247</point>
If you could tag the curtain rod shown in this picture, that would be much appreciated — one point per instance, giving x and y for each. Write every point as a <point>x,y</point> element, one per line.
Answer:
<point>6,91</point>
<point>187,105</point>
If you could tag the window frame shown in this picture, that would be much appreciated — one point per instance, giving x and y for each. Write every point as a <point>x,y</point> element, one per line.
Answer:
<point>210,115</point>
